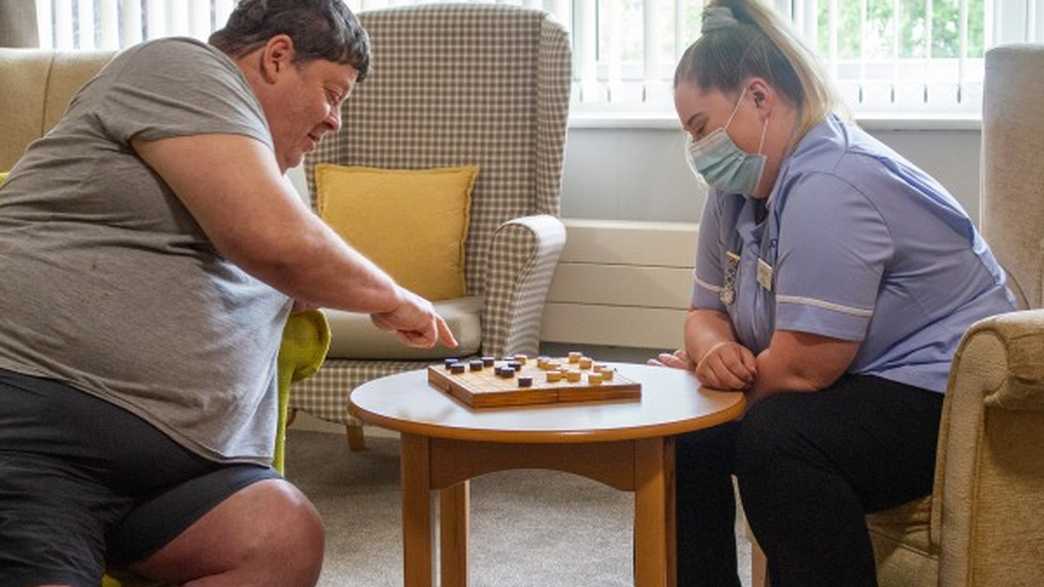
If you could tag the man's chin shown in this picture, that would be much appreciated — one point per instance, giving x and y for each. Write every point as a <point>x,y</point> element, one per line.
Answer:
<point>292,160</point>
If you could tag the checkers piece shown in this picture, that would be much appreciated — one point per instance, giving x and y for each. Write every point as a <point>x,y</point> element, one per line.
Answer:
<point>575,357</point>
<point>572,376</point>
<point>505,372</point>
<point>488,361</point>
<point>475,365</point>
<point>594,379</point>
<point>449,362</point>
<point>525,381</point>
<point>457,368</point>
<point>605,372</point>
<point>584,362</point>
<point>521,359</point>
<point>554,376</point>
<point>515,365</point>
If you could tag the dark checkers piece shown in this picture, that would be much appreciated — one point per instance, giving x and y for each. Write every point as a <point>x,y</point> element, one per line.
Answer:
<point>525,382</point>
<point>515,365</point>
<point>505,372</point>
<point>488,361</point>
<point>475,365</point>
<point>449,362</point>
<point>457,368</point>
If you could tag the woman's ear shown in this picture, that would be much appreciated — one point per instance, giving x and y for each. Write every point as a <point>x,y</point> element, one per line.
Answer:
<point>763,95</point>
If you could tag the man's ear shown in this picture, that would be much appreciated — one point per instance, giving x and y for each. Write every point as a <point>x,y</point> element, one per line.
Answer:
<point>277,57</point>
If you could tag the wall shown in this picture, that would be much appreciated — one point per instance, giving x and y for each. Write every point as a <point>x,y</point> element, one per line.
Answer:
<point>639,174</point>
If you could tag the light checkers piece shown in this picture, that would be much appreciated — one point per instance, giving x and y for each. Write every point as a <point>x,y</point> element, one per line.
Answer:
<point>531,384</point>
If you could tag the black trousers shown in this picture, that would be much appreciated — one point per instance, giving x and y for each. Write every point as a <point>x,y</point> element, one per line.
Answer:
<point>809,467</point>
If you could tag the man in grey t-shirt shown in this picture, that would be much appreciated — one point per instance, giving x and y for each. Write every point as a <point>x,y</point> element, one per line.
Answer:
<point>152,250</point>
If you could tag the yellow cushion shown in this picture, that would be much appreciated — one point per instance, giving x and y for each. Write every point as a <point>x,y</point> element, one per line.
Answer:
<point>411,223</point>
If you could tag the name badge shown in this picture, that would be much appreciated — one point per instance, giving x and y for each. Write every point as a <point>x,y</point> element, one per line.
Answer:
<point>764,275</point>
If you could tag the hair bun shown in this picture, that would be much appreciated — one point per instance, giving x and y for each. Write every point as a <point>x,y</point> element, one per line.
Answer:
<point>718,17</point>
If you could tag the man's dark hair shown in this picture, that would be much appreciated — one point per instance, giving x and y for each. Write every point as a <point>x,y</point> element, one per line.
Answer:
<point>320,29</point>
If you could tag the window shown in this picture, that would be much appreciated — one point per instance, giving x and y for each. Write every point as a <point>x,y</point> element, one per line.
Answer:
<point>917,58</point>
<point>114,24</point>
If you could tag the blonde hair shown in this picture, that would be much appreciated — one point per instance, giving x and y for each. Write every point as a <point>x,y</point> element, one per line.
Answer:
<point>758,44</point>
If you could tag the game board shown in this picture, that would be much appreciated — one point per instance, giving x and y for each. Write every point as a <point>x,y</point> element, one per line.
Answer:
<point>578,379</point>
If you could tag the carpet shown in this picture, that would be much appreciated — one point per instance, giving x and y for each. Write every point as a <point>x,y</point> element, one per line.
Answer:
<point>528,527</point>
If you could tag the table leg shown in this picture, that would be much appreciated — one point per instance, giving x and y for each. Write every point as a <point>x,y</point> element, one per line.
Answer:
<point>650,513</point>
<point>453,529</point>
<point>671,507</point>
<point>416,511</point>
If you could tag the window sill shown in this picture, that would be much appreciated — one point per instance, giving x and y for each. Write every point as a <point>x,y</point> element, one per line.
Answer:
<point>885,121</point>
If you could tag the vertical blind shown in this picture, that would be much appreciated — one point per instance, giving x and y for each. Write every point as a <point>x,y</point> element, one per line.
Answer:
<point>918,57</point>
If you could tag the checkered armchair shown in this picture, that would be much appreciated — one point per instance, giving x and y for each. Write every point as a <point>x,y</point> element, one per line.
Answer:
<point>456,84</point>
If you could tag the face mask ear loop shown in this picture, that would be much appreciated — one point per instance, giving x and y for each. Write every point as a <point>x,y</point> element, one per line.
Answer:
<point>764,130</point>
<point>735,109</point>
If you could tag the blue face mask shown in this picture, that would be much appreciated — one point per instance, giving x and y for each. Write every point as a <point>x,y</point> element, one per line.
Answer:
<point>723,165</point>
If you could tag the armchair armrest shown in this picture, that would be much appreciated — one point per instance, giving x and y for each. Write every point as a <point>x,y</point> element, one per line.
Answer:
<point>306,339</point>
<point>989,476</point>
<point>522,259</point>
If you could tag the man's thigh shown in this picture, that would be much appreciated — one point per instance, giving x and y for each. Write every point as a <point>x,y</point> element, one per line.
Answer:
<point>154,524</point>
<point>260,525</point>
<point>52,522</point>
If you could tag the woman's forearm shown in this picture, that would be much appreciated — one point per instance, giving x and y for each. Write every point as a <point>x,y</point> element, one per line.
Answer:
<point>703,330</point>
<point>775,375</point>
<point>798,361</point>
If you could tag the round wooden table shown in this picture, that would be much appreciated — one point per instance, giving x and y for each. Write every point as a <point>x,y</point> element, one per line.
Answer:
<point>626,444</point>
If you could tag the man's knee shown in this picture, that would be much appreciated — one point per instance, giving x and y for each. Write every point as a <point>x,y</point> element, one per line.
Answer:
<point>292,531</point>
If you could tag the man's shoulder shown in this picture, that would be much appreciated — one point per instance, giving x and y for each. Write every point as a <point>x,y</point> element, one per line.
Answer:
<point>177,54</point>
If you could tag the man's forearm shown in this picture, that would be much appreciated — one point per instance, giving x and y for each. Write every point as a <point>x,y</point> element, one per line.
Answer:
<point>324,270</point>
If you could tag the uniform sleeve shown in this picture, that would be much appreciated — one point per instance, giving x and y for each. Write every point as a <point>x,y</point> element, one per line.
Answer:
<point>179,87</point>
<point>708,275</point>
<point>833,249</point>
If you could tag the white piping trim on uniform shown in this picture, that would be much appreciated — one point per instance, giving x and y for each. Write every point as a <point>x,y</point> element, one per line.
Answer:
<point>826,305</point>
<point>705,285</point>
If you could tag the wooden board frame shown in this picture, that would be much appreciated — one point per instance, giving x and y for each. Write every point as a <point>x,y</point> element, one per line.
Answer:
<point>484,389</point>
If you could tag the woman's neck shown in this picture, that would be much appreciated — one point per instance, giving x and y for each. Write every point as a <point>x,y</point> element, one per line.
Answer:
<point>779,143</point>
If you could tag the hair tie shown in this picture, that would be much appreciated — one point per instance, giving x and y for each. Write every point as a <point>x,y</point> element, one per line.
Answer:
<point>717,17</point>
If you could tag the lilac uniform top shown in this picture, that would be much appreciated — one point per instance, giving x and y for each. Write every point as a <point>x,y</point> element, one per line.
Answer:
<point>857,244</point>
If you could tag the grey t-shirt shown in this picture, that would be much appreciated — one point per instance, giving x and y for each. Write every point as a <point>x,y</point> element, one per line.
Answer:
<point>106,281</point>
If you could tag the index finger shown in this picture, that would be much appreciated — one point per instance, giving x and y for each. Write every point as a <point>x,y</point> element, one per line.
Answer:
<point>444,334</point>
<point>749,360</point>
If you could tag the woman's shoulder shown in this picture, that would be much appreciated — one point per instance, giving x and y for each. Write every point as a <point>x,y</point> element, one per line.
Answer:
<point>838,150</point>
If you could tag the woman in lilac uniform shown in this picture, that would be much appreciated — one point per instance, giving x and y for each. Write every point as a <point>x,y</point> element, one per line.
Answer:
<point>834,280</point>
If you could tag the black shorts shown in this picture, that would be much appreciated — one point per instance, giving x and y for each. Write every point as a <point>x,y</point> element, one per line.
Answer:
<point>85,484</point>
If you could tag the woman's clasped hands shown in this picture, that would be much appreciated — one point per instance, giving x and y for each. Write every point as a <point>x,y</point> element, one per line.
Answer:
<point>726,365</point>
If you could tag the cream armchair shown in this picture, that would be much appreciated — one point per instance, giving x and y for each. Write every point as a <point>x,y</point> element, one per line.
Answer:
<point>983,524</point>
<point>456,84</point>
